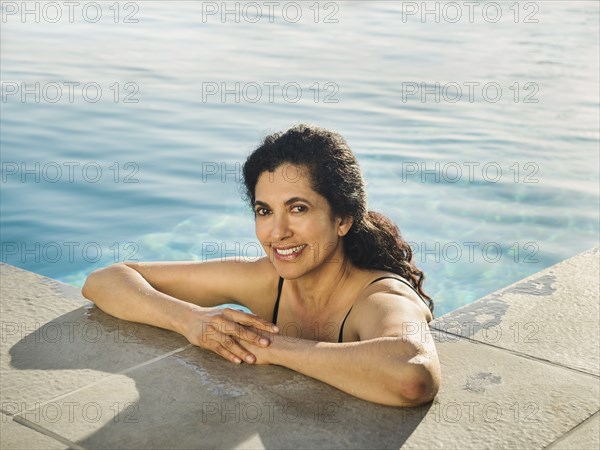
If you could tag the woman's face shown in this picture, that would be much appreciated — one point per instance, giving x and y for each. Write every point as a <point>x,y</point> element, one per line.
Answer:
<point>295,224</point>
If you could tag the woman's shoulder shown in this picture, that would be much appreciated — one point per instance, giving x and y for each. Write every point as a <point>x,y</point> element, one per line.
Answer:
<point>384,278</point>
<point>258,281</point>
<point>256,272</point>
<point>381,288</point>
<point>255,266</point>
<point>249,282</point>
<point>386,306</point>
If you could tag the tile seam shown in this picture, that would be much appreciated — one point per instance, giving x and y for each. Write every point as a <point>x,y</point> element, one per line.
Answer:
<point>521,354</point>
<point>106,378</point>
<point>43,431</point>
<point>571,431</point>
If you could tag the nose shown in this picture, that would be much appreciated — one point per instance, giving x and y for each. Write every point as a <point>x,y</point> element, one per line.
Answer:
<point>281,228</point>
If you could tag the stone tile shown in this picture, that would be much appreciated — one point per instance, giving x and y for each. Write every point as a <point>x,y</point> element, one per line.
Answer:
<point>490,398</point>
<point>585,436</point>
<point>14,436</point>
<point>53,340</point>
<point>552,315</point>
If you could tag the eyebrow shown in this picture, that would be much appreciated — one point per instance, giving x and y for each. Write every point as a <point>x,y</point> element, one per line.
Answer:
<point>287,202</point>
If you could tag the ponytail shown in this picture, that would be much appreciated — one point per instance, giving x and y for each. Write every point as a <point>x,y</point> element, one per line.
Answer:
<point>375,242</point>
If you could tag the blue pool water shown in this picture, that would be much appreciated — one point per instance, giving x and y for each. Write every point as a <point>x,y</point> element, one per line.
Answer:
<point>493,180</point>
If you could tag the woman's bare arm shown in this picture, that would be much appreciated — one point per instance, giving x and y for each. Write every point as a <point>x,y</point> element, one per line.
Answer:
<point>394,362</point>
<point>178,296</point>
<point>389,371</point>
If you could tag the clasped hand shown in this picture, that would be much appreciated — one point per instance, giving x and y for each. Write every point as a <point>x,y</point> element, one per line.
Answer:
<point>235,335</point>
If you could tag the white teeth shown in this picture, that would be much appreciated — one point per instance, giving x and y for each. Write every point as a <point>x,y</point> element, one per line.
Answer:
<point>289,251</point>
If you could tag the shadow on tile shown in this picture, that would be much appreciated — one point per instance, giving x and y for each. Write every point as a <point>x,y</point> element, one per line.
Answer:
<point>192,398</point>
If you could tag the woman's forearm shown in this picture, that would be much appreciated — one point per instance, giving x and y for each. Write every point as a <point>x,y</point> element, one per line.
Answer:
<point>122,292</point>
<point>386,370</point>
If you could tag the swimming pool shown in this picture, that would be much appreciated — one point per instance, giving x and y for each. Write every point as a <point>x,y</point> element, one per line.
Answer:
<point>123,132</point>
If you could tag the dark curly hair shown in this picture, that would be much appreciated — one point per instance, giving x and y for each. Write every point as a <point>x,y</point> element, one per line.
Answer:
<point>374,241</point>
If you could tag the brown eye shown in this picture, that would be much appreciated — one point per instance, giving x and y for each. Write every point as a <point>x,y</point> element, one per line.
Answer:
<point>261,211</point>
<point>299,208</point>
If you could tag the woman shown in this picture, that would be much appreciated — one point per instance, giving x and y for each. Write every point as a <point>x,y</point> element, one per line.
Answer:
<point>336,298</point>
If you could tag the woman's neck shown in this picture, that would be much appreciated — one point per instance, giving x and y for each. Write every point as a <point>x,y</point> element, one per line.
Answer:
<point>317,289</point>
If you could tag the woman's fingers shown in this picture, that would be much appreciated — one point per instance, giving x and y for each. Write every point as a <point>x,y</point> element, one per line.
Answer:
<point>222,351</point>
<point>229,349</point>
<point>251,320</point>
<point>248,327</point>
<point>232,346</point>
<point>224,331</point>
<point>226,328</point>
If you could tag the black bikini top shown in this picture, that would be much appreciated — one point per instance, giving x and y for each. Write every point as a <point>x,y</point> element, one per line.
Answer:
<point>280,286</point>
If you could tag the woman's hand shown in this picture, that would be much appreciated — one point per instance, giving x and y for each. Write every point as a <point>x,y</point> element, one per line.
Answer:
<point>266,355</point>
<point>228,332</point>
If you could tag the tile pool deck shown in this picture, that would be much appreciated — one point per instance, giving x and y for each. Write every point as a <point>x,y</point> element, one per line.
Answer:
<point>520,369</point>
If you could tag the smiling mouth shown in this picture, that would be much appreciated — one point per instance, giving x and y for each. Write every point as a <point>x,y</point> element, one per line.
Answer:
<point>289,251</point>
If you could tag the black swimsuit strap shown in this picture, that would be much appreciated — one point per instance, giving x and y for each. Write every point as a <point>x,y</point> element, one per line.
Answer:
<point>280,286</point>
<point>403,281</point>
<point>342,327</point>
<point>375,281</point>
<point>276,309</point>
